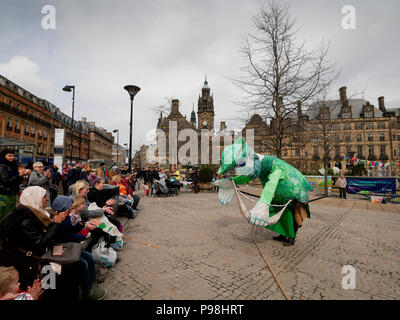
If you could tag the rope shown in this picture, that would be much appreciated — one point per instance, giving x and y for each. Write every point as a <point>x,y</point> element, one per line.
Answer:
<point>268,265</point>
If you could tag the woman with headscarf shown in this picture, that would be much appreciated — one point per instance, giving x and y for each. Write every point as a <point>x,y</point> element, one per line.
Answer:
<point>29,228</point>
<point>11,176</point>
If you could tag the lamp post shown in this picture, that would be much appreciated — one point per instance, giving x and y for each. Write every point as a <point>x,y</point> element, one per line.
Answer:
<point>69,89</point>
<point>132,90</point>
<point>117,131</point>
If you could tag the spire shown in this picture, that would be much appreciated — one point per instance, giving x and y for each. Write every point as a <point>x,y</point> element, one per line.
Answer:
<point>205,83</point>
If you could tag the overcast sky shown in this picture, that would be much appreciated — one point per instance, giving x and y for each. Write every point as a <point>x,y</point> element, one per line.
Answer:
<point>166,47</point>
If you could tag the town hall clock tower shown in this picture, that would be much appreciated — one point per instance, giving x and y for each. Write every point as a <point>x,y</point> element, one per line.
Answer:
<point>205,111</point>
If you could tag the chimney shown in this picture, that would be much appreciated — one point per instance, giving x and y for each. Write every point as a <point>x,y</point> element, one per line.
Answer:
<point>83,119</point>
<point>299,111</point>
<point>222,126</point>
<point>92,123</point>
<point>175,106</point>
<point>343,96</point>
<point>381,101</point>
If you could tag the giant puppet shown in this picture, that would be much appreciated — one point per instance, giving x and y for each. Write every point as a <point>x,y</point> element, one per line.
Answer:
<point>283,204</point>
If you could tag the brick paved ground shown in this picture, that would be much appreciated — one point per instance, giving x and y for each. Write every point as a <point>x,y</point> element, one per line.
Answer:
<point>206,251</point>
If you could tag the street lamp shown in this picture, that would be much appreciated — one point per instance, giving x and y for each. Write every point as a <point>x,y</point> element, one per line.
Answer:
<point>132,90</point>
<point>69,89</point>
<point>117,131</point>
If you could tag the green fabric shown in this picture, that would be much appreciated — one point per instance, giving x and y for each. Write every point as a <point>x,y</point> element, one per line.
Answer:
<point>241,179</point>
<point>270,187</point>
<point>285,224</point>
<point>7,204</point>
<point>231,153</point>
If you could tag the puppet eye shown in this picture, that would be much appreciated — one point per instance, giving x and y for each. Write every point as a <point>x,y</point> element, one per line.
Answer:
<point>241,163</point>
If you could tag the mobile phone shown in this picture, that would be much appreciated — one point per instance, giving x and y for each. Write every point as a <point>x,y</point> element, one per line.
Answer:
<point>58,251</point>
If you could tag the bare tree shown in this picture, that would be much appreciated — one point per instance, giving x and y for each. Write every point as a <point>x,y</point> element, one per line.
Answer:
<point>280,72</point>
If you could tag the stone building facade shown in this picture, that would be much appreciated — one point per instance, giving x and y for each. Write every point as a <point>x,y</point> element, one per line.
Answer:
<point>30,120</point>
<point>205,123</point>
<point>100,142</point>
<point>352,127</point>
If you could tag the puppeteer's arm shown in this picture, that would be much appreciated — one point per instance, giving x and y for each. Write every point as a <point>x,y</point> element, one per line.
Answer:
<point>270,187</point>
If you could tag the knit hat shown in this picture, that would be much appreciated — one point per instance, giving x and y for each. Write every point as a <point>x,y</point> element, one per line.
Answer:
<point>62,203</point>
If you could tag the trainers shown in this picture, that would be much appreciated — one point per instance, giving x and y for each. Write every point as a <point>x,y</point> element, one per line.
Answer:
<point>96,293</point>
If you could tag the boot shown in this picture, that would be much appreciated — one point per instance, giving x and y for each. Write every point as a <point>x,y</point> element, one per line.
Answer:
<point>279,238</point>
<point>290,242</point>
<point>96,293</point>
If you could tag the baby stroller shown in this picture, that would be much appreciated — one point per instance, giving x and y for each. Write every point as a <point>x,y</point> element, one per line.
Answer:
<point>161,189</point>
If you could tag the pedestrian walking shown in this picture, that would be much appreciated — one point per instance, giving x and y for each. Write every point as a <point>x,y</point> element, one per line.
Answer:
<point>342,182</point>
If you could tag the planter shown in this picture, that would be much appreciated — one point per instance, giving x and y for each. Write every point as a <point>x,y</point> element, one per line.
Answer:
<point>206,187</point>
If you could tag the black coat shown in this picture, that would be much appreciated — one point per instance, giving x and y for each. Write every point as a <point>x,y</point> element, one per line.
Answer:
<point>9,178</point>
<point>30,230</point>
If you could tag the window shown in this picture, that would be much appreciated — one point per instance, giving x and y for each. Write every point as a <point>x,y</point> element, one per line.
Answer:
<point>9,124</point>
<point>347,137</point>
<point>40,133</point>
<point>359,126</point>
<point>297,152</point>
<point>381,137</point>
<point>346,115</point>
<point>336,126</point>
<point>383,150</point>
<point>16,126</point>
<point>369,125</point>
<point>337,151</point>
<point>315,139</point>
<point>32,131</point>
<point>359,137</point>
<point>370,137</point>
<point>45,134</point>
<point>369,115</point>
<point>370,151</point>
<point>347,126</point>
<point>359,150</point>
<point>381,125</point>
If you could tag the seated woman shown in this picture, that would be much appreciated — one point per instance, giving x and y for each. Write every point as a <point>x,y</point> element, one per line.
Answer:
<point>28,232</point>
<point>81,188</point>
<point>71,225</point>
<point>130,199</point>
<point>94,195</point>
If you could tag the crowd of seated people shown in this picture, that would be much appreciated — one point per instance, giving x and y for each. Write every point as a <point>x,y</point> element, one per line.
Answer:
<point>32,225</point>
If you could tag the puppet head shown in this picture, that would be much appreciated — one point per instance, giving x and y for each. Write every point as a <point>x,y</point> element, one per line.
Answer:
<point>242,158</point>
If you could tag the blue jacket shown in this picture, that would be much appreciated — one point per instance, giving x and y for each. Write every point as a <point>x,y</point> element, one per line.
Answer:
<point>69,233</point>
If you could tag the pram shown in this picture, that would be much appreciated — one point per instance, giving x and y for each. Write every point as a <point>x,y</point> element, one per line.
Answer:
<point>161,189</point>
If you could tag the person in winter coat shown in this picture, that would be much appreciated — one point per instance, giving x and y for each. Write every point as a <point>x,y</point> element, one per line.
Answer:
<point>81,188</point>
<point>70,227</point>
<point>11,176</point>
<point>28,228</point>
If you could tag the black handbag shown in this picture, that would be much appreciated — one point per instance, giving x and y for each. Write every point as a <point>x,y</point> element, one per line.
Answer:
<point>71,254</point>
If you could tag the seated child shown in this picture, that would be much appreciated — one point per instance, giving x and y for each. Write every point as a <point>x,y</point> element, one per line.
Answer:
<point>9,286</point>
<point>70,228</point>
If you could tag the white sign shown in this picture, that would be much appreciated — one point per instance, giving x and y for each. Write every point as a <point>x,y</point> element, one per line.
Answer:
<point>58,161</point>
<point>59,137</point>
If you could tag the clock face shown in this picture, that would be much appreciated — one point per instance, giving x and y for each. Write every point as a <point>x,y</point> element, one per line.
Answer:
<point>204,123</point>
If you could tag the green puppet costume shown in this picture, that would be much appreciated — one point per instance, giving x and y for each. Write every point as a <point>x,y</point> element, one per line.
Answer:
<point>281,183</point>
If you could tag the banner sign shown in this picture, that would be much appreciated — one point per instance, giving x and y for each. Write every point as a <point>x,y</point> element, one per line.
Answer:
<point>318,182</point>
<point>375,185</point>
